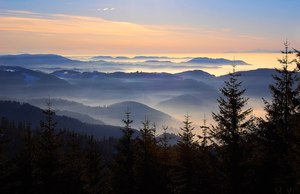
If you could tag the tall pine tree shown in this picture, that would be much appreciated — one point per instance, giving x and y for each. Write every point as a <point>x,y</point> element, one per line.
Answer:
<point>123,172</point>
<point>146,164</point>
<point>232,121</point>
<point>285,94</point>
<point>165,162</point>
<point>47,160</point>
<point>187,179</point>
<point>279,128</point>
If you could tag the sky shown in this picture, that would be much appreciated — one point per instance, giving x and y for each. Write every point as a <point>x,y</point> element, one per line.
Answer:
<point>147,27</point>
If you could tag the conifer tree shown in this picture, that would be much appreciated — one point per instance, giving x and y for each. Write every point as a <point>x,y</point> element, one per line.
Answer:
<point>296,133</point>
<point>165,161</point>
<point>187,178</point>
<point>205,137</point>
<point>164,142</point>
<point>48,153</point>
<point>123,172</point>
<point>232,121</point>
<point>146,164</point>
<point>187,135</point>
<point>285,94</point>
<point>279,128</point>
<point>207,161</point>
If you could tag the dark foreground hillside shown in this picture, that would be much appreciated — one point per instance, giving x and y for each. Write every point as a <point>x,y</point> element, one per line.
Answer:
<point>26,113</point>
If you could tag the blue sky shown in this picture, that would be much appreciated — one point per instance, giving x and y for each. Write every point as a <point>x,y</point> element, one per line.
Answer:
<point>256,24</point>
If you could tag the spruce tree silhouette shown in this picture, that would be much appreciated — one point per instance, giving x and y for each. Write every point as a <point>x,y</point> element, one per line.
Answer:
<point>123,171</point>
<point>48,147</point>
<point>232,122</point>
<point>187,159</point>
<point>280,112</point>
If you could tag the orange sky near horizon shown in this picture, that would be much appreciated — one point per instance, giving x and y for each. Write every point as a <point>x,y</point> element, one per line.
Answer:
<point>81,35</point>
<point>74,35</point>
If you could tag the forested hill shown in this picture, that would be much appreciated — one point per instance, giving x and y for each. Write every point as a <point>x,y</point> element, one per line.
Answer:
<point>26,113</point>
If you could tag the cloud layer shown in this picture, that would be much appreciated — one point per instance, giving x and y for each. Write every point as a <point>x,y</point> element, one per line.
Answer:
<point>24,31</point>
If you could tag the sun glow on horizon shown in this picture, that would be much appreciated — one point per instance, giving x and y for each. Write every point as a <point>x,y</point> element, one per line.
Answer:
<point>255,61</point>
<point>24,32</point>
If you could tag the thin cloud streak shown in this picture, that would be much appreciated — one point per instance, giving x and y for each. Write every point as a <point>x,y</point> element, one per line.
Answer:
<point>21,12</point>
<point>72,34</point>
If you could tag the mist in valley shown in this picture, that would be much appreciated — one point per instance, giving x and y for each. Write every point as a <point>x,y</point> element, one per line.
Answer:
<point>97,91</point>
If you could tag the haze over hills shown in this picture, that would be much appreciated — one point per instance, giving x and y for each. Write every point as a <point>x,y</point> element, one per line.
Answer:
<point>22,76</point>
<point>198,75</point>
<point>18,81</point>
<point>114,113</point>
<point>131,58</point>
<point>185,102</point>
<point>256,81</point>
<point>193,91</point>
<point>81,117</point>
<point>36,59</point>
<point>28,114</point>
<point>50,62</point>
<point>14,76</point>
<point>40,59</point>
<point>216,61</point>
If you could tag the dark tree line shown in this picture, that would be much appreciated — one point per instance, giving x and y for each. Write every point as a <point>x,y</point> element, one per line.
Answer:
<point>238,154</point>
<point>48,160</point>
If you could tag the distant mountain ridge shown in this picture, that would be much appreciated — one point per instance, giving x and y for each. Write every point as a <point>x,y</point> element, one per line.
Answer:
<point>23,112</point>
<point>195,74</point>
<point>129,58</point>
<point>26,80</point>
<point>81,117</point>
<point>97,74</point>
<point>256,81</point>
<point>217,61</point>
<point>35,59</point>
<point>171,93</point>
<point>40,59</point>
<point>20,75</point>
<point>157,61</point>
<point>114,113</point>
